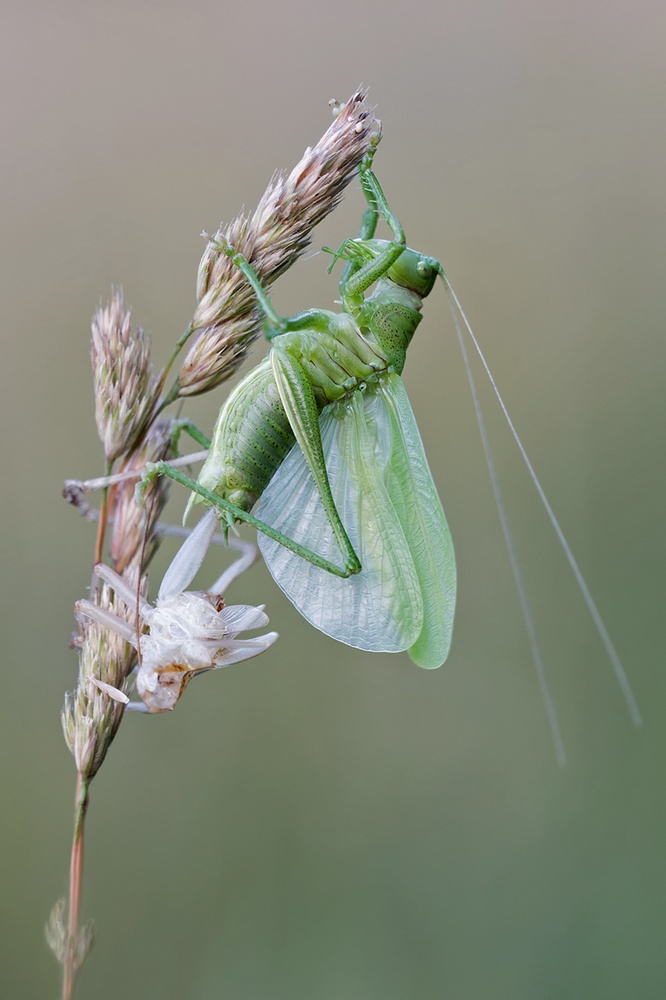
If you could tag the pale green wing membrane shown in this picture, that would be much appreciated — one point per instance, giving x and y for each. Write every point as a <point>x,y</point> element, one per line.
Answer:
<point>379,609</point>
<point>414,496</point>
<point>388,504</point>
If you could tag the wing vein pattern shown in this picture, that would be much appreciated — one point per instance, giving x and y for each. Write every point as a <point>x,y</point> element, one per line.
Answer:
<point>404,596</point>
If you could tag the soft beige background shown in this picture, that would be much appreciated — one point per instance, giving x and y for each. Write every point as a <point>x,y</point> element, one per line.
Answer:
<point>322,824</point>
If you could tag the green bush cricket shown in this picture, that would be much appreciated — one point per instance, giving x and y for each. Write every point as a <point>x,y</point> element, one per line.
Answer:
<point>320,443</point>
<point>319,450</point>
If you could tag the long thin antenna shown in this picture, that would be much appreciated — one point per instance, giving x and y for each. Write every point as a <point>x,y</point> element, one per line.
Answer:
<point>613,656</point>
<point>537,658</point>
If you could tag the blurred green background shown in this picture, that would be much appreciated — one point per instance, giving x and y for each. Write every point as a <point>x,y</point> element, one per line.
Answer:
<point>322,824</point>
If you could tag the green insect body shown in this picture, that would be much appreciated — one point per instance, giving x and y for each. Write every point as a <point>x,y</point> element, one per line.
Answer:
<point>337,356</point>
<point>318,448</point>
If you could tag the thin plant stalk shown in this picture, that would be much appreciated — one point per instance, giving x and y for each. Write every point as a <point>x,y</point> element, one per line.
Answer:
<point>129,400</point>
<point>75,883</point>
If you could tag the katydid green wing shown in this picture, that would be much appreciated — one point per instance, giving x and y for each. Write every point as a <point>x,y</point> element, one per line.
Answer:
<point>404,596</point>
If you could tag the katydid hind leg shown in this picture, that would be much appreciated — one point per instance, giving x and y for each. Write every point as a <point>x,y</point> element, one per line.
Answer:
<point>231,513</point>
<point>299,403</point>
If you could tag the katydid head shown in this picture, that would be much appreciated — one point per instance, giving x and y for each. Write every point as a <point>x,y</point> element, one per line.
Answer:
<point>415,271</point>
<point>412,270</point>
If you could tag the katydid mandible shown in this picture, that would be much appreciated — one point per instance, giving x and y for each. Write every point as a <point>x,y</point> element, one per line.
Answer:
<point>319,442</point>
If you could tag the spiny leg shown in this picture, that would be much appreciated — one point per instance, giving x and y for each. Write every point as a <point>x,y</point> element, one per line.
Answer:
<point>164,469</point>
<point>371,214</point>
<point>182,425</point>
<point>368,221</point>
<point>362,268</point>
<point>311,319</point>
<point>298,400</point>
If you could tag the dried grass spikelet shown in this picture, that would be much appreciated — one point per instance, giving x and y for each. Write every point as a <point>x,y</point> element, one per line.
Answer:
<point>132,522</point>
<point>271,239</point>
<point>125,388</point>
<point>90,717</point>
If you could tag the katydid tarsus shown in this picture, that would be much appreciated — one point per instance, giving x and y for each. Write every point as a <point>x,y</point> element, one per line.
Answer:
<point>318,449</point>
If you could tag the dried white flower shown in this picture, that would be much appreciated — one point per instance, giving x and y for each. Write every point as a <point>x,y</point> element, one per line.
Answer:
<point>186,632</point>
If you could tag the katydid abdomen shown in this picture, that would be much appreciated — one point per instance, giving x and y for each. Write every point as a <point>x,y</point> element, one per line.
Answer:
<point>251,438</point>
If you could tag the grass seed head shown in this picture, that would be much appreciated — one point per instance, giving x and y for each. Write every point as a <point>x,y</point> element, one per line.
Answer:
<point>272,238</point>
<point>90,718</point>
<point>125,388</point>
